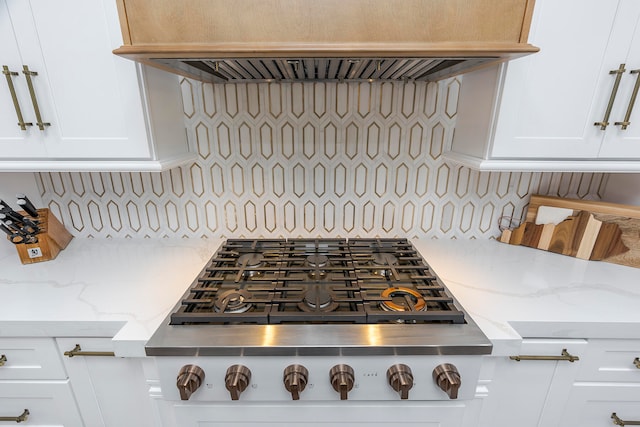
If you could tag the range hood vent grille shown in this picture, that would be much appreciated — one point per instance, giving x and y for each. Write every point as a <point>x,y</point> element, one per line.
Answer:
<point>227,70</point>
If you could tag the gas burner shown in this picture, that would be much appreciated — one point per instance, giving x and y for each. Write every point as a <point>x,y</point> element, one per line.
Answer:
<point>399,300</point>
<point>318,299</point>
<point>233,301</point>
<point>249,262</point>
<point>317,262</point>
<point>380,260</point>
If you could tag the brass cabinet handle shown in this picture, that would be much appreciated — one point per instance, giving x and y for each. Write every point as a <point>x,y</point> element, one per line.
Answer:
<point>3,360</point>
<point>625,124</point>
<point>28,74</point>
<point>617,421</point>
<point>20,418</point>
<point>636,362</point>
<point>565,356</point>
<point>619,72</point>
<point>77,351</point>
<point>7,73</point>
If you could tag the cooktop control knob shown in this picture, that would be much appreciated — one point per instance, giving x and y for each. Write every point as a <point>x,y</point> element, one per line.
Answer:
<point>342,379</point>
<point>400,379</point>
<point>189,379</point>
<point>295,380</point>
<point>236,380</point>
<point>447,378</point>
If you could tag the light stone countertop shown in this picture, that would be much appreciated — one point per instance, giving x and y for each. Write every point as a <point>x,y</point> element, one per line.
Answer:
<point>124,288</point>
<point>121,288</point>
<point>515,292</point>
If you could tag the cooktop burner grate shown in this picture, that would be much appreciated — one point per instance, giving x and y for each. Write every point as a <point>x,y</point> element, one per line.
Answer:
<point>317,281</point>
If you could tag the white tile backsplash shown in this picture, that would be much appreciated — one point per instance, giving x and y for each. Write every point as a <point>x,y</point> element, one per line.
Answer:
<point>310,159</point>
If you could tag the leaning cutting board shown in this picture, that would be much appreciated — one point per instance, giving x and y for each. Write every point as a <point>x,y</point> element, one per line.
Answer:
<point>597,231</point>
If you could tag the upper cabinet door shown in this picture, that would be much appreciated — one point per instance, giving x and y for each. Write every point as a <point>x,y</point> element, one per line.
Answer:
<point>16,139</point>
<point>89,96</point>
<point>551,100</point>
<point>620,142</point>
<point>557,110</point>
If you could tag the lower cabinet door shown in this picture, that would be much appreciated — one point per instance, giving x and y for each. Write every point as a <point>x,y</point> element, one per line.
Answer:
<point>110,391</point>
<point>335,414</point>
<point>49,403</point>
<point>592,405</point>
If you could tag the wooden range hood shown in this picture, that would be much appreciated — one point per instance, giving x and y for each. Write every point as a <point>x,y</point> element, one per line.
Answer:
<point>228,41</point>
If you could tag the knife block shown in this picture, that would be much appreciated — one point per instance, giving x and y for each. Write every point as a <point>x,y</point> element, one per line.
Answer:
<point>52,238</point>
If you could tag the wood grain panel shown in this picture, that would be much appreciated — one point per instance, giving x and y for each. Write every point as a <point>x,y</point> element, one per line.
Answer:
<point>329,21</point>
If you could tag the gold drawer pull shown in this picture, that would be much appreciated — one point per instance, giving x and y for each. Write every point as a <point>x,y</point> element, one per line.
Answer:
<point>565,356</point>
<point>636,362</point>
<point>20,418</point>
<point>34,100</point>
<point>12,90</point>
<point>617,421</point>
<point>625,124</point>
<point>3,360</point>
<point>619,72</point>
<point>77,351</point>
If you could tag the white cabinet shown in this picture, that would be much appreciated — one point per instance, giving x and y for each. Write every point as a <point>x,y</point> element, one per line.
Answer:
<point>608,382</point>
<point>33,382</point>
<point>110,391</point>
<point>529,393</point>
<point>538,112</point>
<point>103,112</point>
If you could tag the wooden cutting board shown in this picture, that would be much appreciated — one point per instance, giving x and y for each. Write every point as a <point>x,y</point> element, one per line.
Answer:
<point>597,231</point>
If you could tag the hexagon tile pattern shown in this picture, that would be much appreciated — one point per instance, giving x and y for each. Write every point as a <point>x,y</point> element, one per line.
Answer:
<point>314,159</point>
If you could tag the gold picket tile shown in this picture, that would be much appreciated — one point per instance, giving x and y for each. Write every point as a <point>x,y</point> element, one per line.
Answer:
<point>77,221</point>
<point>368,216</point>
<point>133,216</point>
<point>172,216</point>
<point>319,180</point>
<point>153,217</point>
<point>309,219</point>
<point>266,141</point>
<point>208,101</point>
<point>95,216</point>
<point>115,217</point>
<point>188,102</point>
<point>77,184</point>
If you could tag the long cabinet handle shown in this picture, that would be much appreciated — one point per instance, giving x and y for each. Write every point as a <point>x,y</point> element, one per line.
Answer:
<point>605,121</point>
<point>617,421</point>
<point>8,73</point>
<point>77,351</point>
<point>3,360</point>
<point>625,124</point>
<point>20,418</point>
<point>565,356</point>
<point>28,74</point>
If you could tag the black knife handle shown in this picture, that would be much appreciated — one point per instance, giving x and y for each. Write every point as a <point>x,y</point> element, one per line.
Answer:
<point>28,207</point>
<point>6,229</point>
<point>11,226</point>
<point>12,215</point>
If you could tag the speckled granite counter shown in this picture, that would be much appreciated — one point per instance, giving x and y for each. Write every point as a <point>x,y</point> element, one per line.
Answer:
<point>125,288</point>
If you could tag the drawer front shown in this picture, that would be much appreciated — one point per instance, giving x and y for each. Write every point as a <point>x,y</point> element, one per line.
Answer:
<point>50,403</point>
<point>610,360</point>
<point>31,359</point>
<point>347,414</point>
<point>591,404</point>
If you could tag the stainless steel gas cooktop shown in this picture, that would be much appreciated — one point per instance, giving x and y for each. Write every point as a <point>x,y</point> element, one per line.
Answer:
<point>317,296</point>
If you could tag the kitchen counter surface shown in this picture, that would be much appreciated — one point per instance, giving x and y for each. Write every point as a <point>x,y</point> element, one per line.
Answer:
<point>100,287</point>
<point>124,288</point>
<point>514,291</point>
